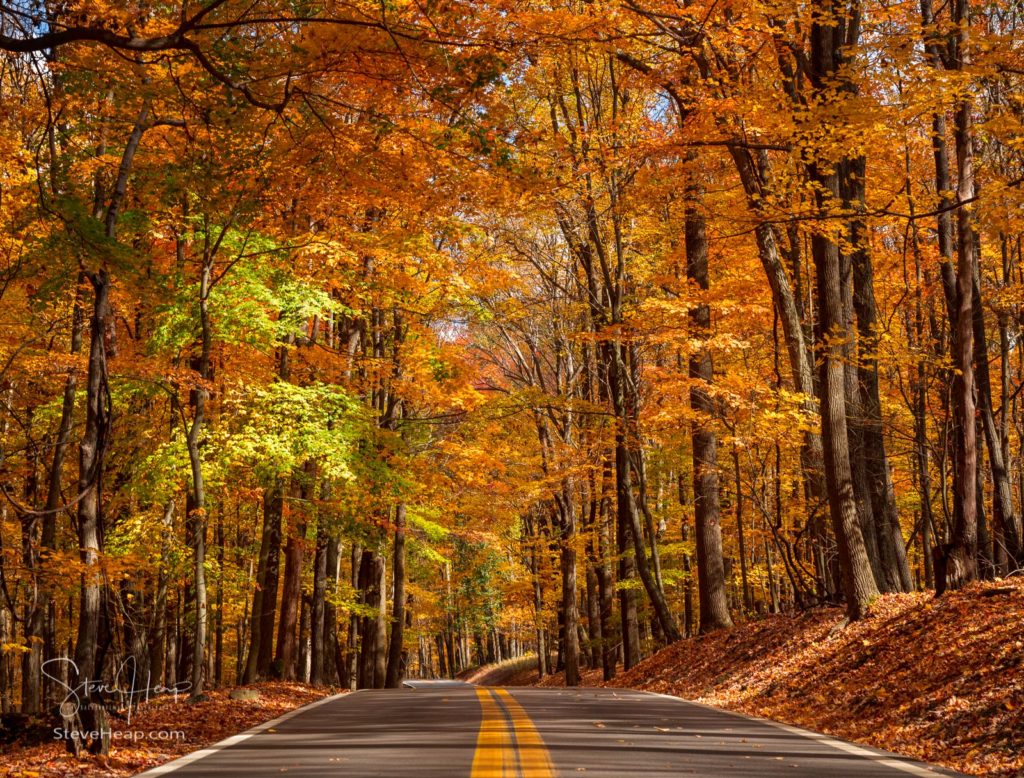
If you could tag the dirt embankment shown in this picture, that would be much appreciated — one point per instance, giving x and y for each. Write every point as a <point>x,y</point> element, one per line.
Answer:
<point>940,680</point>
<point>504,673</point>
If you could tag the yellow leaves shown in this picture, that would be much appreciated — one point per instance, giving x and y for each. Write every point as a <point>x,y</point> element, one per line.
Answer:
<point>326,253</point>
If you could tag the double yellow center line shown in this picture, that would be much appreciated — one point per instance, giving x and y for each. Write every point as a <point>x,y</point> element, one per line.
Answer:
<point>508,744</point>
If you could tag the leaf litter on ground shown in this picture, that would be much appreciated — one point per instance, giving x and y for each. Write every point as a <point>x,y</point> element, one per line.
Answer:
<point>201,723</point>
<point>936,679</point>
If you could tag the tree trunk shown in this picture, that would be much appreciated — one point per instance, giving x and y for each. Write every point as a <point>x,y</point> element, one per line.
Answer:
<point>628,514</point>
<point>1007,522</point>
<point>570,609</point>
<point>218,647</point>
<point>748,595</point>
<point>595,635</point>
<point>195,509</point>
<point>317,624</point>
<point>350,675</point>
<point>158,634</point>
<point>303,660</point>
<point>893,571</point>
<point>291,593</point>
<point>538,611</point>
<point>855,419</point>
<point>396,648</point>
<point>91,453</point>
<point>334,656</point>
<point>264,604</point>
<point>371,571</point>
<point>380,649</point>
<point>605,584</point>
<point>828,34</point>
<point>858,579</point>
<point>627,595</point>
<point>714,605</point>
<point>956,562</point>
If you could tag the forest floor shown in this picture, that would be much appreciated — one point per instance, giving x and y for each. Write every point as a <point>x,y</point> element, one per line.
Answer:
<point>935,679</point>
<point>200,724</point>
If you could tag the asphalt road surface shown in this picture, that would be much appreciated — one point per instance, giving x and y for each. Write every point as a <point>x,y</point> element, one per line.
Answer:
<point>450,729</point>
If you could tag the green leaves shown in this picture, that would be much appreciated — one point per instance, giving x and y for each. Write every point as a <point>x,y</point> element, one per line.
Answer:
<point>430,533</point>
<point>276,429</point>
<point>252,301</point>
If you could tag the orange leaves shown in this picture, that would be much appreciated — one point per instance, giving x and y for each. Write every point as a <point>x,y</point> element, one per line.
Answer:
<point>200,724</point>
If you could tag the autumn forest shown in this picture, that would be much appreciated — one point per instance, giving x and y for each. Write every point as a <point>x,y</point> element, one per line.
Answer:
<point>350,341</point>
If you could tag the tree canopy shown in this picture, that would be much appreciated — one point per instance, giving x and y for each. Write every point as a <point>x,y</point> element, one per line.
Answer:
<point>349,340</point>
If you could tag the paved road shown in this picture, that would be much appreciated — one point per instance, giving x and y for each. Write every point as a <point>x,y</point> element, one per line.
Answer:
<point>446,730</point>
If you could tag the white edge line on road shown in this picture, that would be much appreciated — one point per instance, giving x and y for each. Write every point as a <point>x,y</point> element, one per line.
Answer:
<point>842,745</point>
<point>177,764</point>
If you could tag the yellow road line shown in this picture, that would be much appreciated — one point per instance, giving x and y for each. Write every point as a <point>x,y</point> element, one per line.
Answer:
<point>494,757</point>
<point>534,760</point>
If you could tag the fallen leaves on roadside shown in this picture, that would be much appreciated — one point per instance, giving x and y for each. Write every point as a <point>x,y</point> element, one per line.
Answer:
<point>201,723</point>
<point>935,679</point>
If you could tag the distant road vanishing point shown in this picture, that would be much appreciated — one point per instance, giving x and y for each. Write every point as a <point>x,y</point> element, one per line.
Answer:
<point>448,729</point>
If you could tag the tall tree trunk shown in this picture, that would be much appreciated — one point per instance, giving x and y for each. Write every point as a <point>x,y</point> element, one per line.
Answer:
<point>957,562</point>
<point>628,618</point>
<point>350,675</point>
<point>570,644</point>
<point>919,386</point>
<point>605,584</point>
<point>218,647</point>
<point>593,602</point>
<point>6,659</point>
<point>264,603</point>
<point>334,655</point>
<point>396,648</point>
<point>34,610</point>
<point>291,593</point>
<point>748,595</point>
<point>828,34</point>
<point>714,605</point>
<point>538,607</point>
<point>754,175</point>
<point>858,579</point>
<point>318,633</point>
<point>158,634</point>
<point>91,453</point>
<point>893,570</point>
<point>286,654</point>
<point>1007,523</point>
<point>371,575</point>
<point>633,534</point>
<point>1010,537</point>
<point>367,625</point>
<point>303,660</point>
<point>855,413</point>
<point>380,648</point>
<point>195,508</point>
